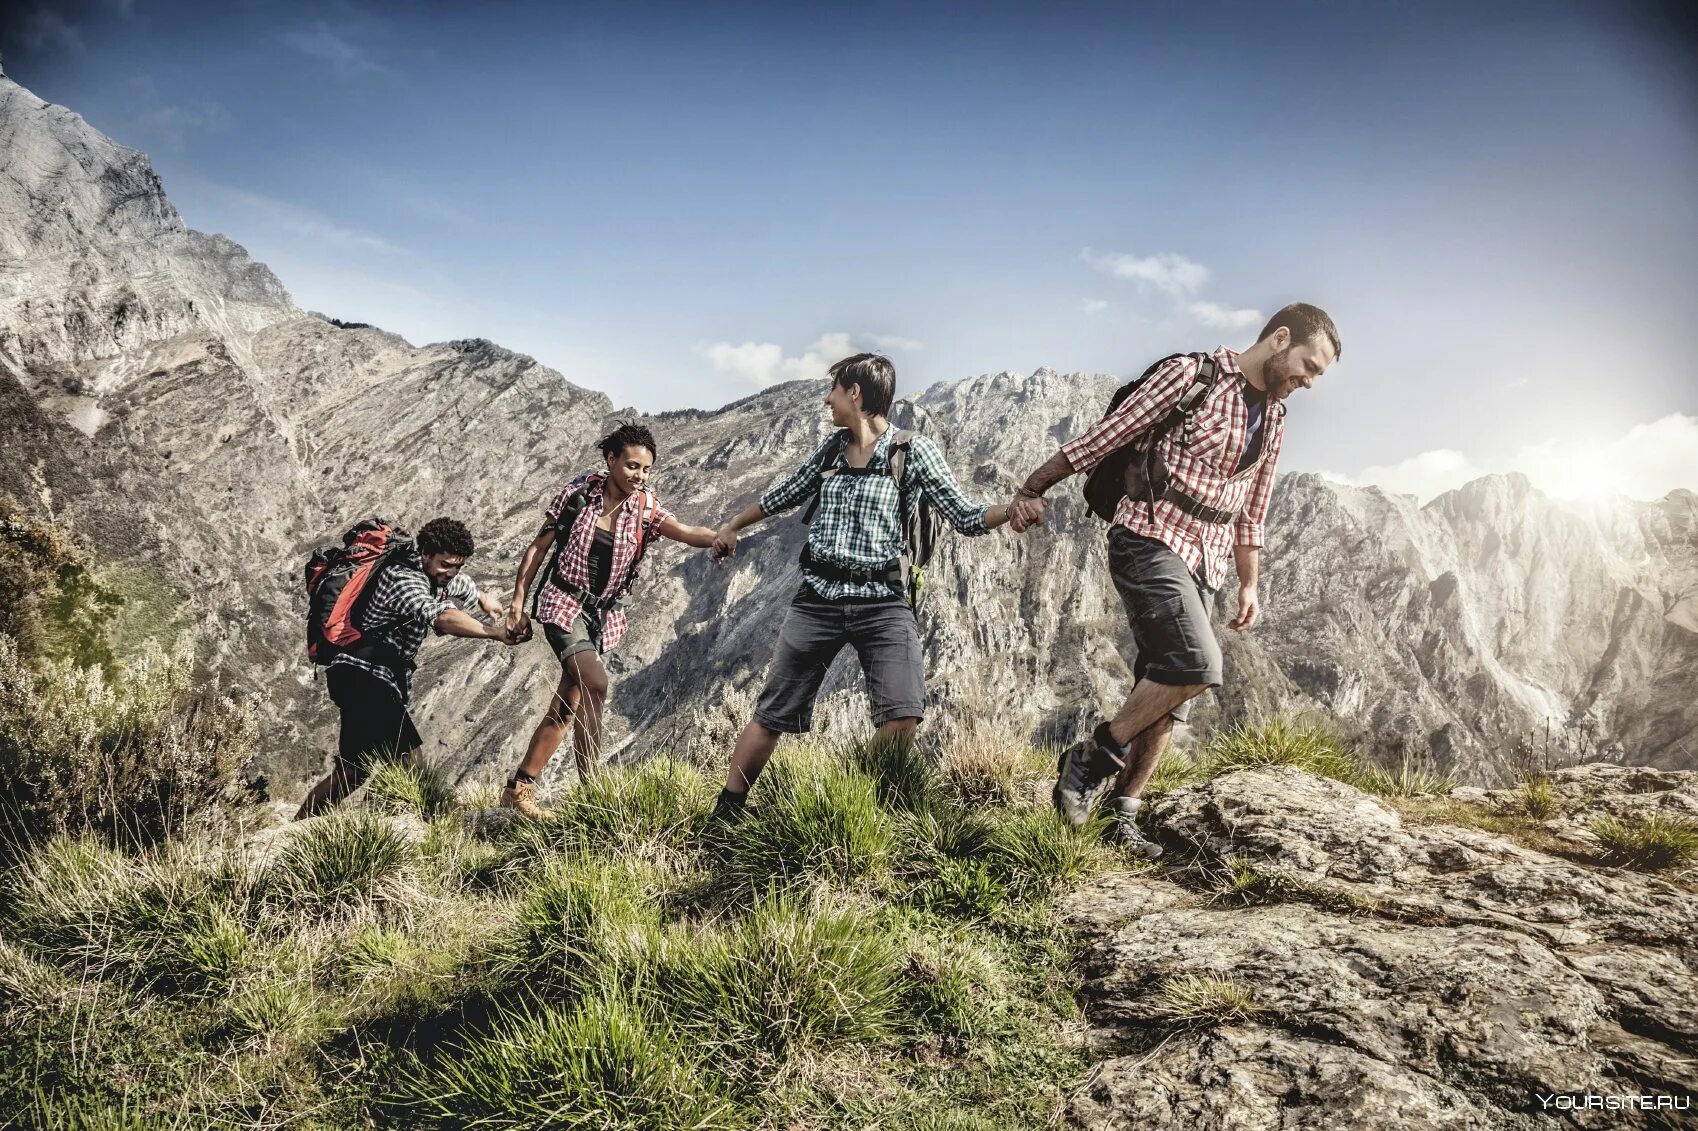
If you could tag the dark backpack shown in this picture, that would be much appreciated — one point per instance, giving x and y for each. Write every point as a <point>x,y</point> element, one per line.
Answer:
<point>575,504</point>
<point>340,581</point>
<point>920,526</point>
<point>1136,470</point>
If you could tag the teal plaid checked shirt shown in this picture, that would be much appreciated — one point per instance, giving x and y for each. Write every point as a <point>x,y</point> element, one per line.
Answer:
<point>856,524</point>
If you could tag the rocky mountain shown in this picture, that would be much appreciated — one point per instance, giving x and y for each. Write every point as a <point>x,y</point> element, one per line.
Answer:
<point>161,393</point>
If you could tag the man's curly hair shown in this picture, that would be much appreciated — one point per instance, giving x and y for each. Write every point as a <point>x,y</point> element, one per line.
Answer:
<point>445,536</point>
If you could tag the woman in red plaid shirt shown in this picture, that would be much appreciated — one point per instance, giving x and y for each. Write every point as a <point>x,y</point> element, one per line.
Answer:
<point>605,521</point>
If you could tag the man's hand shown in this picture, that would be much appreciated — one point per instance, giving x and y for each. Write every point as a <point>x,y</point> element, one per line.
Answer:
<point>1025,511</point>
<point>1249,608</point>
<point>518,625</point>
<point>492,607</point>
<point>724,543</point>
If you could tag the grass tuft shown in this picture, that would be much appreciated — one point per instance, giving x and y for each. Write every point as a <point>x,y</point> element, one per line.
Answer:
<point>340,861</point>
<point>418,787</point>
<point>814,820</point>
<point>1649,842</point>
<point>1280,741</point>
<point>904,774</point>
<point>1204,1000</point>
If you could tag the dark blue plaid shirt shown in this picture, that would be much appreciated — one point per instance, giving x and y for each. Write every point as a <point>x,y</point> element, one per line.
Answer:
<point>403,610</point>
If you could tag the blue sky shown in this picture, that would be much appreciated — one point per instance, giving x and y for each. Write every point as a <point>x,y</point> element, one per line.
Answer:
<point>676,203</point>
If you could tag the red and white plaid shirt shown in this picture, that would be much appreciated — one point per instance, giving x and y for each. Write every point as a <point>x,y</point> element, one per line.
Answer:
<point>1206,470</point>
<point>557,607</point>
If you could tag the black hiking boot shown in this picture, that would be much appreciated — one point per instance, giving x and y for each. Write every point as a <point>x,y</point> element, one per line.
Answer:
<point>728,810</point>
<point>1081,771</point>
<point>1126,832</point>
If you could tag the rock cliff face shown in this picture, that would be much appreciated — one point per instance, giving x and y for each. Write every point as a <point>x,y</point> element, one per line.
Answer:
<point>161,391</point>
<point>1387,973</point>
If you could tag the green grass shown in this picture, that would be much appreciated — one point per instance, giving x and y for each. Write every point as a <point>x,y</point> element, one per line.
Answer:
<point>342,860</point>
<point>861,950</point>
<point>1537,798</point>
<point>1650,842</point>
<point>1203,1000</point>
<point>420,788</point>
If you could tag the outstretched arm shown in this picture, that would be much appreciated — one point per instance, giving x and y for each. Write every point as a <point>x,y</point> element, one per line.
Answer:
<point>700,537</point>
<point>725,541</point>
<point>938,482</point>
<point>529,563</point>
<point>458,622</point>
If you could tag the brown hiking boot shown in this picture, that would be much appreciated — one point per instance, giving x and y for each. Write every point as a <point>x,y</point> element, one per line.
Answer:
<point>522,796</point>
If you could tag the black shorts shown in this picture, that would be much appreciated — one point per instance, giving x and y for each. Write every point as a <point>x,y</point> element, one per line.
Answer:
<point>584,637</point>
<point>885,639</point>
<point>1168,608</point>
<point>375,723</point>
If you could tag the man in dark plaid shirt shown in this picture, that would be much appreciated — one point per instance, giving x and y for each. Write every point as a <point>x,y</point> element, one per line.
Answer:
<point>852,591</point>
<point>372,682</point>
<point>1167,552</point>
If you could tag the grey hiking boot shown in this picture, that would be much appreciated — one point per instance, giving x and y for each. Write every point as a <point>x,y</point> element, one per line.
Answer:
<point>1081,771</point>
<point>1126,833</point>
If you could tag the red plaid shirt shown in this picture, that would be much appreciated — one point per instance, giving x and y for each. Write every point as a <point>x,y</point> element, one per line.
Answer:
<point>1205,470</point>
<point>557,607</point>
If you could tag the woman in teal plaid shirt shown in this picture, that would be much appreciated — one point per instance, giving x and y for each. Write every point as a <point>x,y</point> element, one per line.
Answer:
<point>853,589</point>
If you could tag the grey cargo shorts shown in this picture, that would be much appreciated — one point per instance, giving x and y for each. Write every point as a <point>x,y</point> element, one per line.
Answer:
<point>886,641</point>
<point>1168,608</point>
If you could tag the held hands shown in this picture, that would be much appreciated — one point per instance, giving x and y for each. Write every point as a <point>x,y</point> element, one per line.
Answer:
<point>517,630</point>
<point>1024,512</point>
<point>1249,608</point>
<point>724,543</point>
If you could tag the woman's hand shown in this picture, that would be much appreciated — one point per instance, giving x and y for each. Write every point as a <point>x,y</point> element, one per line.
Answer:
<point>725,542</point>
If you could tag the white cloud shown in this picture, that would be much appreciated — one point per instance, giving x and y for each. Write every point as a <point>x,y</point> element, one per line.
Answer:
<point>766,363</point>
<point>1224,318</point>
<point>1094,305</point>
<point>1165,271</point>
<point>1647,462</point>
<point>323,42</point>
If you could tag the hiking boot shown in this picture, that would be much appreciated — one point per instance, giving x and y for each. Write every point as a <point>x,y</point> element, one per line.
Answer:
<point>1081,771</point>
<point>729,808</point>
<point>1125,831</point>
<point>521,797</point>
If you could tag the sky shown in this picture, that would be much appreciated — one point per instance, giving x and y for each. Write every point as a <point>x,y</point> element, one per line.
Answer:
<point>677,204</point>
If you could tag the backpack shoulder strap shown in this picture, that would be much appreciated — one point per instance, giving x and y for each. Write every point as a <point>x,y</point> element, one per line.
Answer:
<point>822,469</point>
<point>899,445</point>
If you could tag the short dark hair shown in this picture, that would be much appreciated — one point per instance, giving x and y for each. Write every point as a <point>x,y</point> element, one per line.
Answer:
<point>445,536</point>
<point>626,436</point>
<point>1305,323</point>
<point>876,376</point>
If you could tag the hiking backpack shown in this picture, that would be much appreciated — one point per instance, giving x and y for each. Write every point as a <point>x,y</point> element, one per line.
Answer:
<point>340,581</point>
<point>1136,469</point>
<point>575,504</point>
<point>920,527</point>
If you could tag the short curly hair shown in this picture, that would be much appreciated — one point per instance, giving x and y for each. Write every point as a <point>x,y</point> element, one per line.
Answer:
<point>627,436</point>
<point>446,536</point>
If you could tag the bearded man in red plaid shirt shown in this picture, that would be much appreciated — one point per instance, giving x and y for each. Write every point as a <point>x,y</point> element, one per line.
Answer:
<point>1171,535</point>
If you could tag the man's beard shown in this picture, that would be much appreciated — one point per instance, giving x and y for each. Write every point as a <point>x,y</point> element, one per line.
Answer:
<point>1278,375</point>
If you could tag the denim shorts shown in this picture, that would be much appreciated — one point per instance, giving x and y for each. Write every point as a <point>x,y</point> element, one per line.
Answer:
<point>885,639</point>
<point>1168,608</point>
<point>584,637</point>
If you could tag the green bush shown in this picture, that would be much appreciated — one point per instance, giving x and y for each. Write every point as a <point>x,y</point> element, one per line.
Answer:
<point>136,756</point>
<point>813,819</point>
<point>790,976</point>
<point>603,1065</point>
<point>340,860</point>
<point>54,609</point>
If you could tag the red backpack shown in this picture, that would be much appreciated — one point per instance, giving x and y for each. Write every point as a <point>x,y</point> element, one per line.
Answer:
<point>340,581</point>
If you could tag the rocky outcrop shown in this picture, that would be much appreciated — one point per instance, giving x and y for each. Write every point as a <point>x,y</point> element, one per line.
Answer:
<point>1386,973</point>
<point>221,433</point>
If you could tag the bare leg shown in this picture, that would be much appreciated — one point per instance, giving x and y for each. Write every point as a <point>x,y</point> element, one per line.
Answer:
<point>749,757</point>
<point>335,786</point>
<point>1149,703</point>
<point>1147,750</point>
<point>546,739</point>
<point>897,730</point>
<point>591,679</point>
